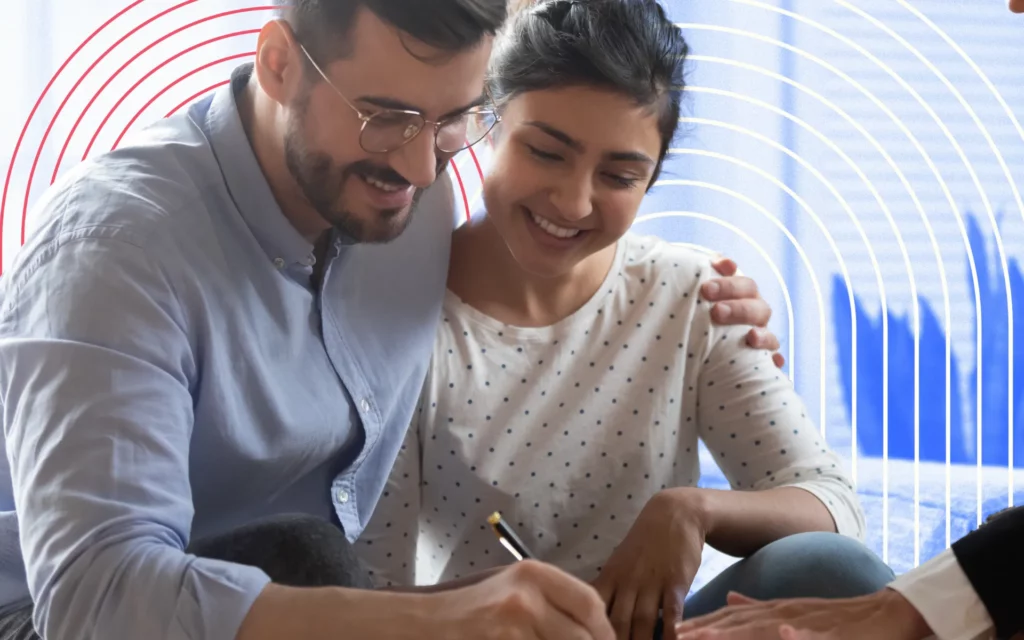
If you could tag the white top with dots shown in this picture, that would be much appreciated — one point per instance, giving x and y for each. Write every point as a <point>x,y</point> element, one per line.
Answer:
<point>569,429</point>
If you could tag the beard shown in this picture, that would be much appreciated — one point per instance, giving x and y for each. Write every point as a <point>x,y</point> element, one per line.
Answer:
<point>322,182</point>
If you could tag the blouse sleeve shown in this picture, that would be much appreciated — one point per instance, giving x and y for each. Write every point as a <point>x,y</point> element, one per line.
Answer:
<point>756,426</point>
<point>388,544</point>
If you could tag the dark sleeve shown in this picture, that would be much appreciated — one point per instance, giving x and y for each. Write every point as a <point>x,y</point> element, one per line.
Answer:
<point>993,559</point>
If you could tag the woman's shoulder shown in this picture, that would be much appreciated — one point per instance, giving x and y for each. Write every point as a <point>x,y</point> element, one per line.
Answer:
<point>652,261</point>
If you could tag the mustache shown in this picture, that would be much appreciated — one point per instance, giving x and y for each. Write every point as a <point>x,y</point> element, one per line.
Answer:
<point>384,174</point>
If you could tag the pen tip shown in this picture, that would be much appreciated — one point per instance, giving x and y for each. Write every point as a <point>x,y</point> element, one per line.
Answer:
<point>494,518</point>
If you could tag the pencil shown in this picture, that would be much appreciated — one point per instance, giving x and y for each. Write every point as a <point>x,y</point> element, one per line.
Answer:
<point>507,537</point>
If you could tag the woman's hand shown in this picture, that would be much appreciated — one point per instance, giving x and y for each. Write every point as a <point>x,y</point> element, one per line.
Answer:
<point>654,565</point>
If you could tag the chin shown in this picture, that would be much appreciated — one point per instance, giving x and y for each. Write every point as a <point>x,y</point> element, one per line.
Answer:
<point>372,226</point>
<point>388,225</point>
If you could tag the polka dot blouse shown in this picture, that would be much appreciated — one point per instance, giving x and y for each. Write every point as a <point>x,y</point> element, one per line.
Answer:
<point>570,429</point>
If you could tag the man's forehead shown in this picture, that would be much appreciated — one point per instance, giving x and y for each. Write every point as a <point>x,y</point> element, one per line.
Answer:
<point>386,63</point>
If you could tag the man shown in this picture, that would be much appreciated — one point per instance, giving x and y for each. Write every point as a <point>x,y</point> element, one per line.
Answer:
<point>211,349</point>
<point>968,592</point>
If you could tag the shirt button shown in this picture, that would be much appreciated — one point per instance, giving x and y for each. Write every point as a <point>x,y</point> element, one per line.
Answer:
<point>342,496</point>
<point>364,404</point>
<point>279,263</point>
<point>310,260</point>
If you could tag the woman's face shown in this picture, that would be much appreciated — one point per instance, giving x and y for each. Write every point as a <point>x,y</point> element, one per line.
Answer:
<point>570,169</point>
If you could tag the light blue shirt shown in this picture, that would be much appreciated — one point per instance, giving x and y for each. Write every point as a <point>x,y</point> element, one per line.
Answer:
<point>167,372</point>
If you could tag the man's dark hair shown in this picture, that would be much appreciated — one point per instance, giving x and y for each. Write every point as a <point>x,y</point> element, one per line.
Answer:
<point>626,46</point>
<point>324,26</point>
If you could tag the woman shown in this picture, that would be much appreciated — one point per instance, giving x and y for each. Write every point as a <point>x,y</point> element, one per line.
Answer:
<point>577,364</point>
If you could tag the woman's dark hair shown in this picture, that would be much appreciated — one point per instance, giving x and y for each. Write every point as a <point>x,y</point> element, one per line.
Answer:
<point>626,46</point>
<point>451,26</point>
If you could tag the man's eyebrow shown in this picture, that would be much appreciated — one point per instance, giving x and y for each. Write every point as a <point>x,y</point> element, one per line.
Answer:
<point>480,100</point>
<point>392,103</point>
<point>387,103</point>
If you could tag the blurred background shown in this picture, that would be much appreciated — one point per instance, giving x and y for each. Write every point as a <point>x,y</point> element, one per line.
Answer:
<point>863,161</point>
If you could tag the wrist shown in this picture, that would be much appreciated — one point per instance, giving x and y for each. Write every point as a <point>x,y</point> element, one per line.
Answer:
<point>694,504</point>
<point>902,616</point>
<point>418,618</point>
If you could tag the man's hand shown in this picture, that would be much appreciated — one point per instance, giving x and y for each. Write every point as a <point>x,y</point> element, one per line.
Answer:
<point>885,615</point>
<point>654,565</point>
<point>527,601</point>
<point>737,301</point>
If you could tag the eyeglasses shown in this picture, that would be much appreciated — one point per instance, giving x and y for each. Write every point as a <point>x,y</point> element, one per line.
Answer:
<point>389,129</point>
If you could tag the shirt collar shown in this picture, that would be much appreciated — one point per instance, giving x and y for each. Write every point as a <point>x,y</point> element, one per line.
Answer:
<point>248,187</point>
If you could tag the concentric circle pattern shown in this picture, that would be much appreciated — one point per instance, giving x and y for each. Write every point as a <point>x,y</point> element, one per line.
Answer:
<point>861,159</point>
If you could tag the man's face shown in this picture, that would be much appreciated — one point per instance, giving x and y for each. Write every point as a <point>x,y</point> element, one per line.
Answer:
<point>369,196</point>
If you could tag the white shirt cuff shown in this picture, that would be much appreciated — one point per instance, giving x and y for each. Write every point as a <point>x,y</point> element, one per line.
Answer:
<point>942,594</point>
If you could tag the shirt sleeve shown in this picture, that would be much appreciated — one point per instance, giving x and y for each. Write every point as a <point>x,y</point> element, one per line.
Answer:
<point>388,544</point>
<point>95,370</point>
<point>757,427</point>
<point>942,594</point>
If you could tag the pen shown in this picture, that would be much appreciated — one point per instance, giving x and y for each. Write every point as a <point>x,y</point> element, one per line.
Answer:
<point>507,537</point>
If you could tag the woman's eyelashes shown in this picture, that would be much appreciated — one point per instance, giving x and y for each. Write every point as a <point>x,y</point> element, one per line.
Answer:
<point>617,180</point>
<point>543,155</point>
<point>627,182</point>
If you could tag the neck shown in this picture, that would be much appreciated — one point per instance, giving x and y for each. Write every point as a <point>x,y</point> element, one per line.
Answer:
<point>486,276</point>
<point>259,117</point>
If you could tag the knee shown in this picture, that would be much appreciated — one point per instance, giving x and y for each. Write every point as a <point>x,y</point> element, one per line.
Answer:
<point>825,565</point>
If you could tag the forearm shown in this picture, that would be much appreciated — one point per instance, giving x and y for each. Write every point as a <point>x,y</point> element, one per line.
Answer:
<point>901,618</point>
<point>739,523</point>
<point>333,613</point>
<point>446,586</point>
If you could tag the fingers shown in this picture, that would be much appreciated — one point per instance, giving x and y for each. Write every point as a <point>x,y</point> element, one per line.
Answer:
<point>779,359</point>
<point>724,266</point>
<point>762,339</point>
<point>555,625</point>
<point>726,616</point>
<point>754,312</point>
<point>699,634</point>
<point>734,598</point>
<point>605,590</point>
<point>672,608</point>
<point>621,613</point>
<point>787,632</point>
<point>730,288</point>
<point>645,614</point>
<point>754,631</point>
<point>573,598</point>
